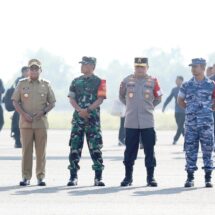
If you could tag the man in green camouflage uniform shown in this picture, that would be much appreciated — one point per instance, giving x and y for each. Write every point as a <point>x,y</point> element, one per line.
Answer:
<point>86,94</point>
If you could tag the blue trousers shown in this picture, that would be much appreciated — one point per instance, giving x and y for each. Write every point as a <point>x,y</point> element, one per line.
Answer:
<point>193,136</point>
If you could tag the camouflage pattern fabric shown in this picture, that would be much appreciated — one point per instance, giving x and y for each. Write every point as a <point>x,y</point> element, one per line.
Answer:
<point>85,91</point>
<point>199,122</point>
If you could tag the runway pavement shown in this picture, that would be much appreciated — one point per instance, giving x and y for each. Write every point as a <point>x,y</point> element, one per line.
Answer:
<point>168,198</point>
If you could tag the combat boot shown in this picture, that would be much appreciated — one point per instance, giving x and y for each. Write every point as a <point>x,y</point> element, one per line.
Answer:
<point>208,182</point>
<point>98,179</point>
<point>190,180</point>
<point>151,182</point>
<point>127,181</point>
<point>73,181</point>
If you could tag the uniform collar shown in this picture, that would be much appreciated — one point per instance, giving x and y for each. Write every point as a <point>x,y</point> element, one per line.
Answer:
<point>199,82</point>
<point>38,80</point>
<point>146,77</point>
<point>88,76</point>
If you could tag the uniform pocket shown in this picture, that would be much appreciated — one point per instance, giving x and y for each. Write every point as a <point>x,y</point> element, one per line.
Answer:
<point>206,96</point>
<point>25,94</point>
<point>148,93</point>
<point>43,95</point>
<point>131,94</point>
<point>131,91</point>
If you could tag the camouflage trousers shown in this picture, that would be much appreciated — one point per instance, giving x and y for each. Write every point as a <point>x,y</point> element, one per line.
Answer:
<point>193,136</point>
<point>94,142</point>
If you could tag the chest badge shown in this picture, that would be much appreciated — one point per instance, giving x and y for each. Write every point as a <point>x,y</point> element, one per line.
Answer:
<point>26,95</point>
<point>146,96</point>
<point>131,95</point>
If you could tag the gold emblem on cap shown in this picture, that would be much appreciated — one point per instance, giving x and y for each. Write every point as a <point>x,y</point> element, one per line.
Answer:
<point>139,60</point>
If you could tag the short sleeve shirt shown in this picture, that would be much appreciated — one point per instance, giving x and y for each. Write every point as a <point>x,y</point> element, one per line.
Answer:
<point>199,96</point>
<point>139,95</point>
<point>85,91</point>
<point>33,96</point>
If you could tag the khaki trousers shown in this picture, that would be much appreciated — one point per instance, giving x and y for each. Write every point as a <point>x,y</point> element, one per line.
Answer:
<point>28,138</point>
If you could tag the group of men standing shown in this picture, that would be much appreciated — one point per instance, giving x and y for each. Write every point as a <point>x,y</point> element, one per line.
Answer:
<point>140,93</point>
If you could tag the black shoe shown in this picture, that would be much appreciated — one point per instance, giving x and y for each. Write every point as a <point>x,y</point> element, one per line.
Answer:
<point>24,182</point>
<point>121,143</point>
<point>174,142</point>
<point>126,182</point>
<point>189,183</point>
<point>41,183</point>
<point>98,179</point>
<point>72,182</point>
<point>152,182</point>
<point>99,183</point>
<point>190,180</point>
<point>17,143</point>
<point>208,182</point>
<point>17,146</point>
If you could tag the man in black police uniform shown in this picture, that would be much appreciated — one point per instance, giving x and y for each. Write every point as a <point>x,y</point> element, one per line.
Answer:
<point>140,93</point>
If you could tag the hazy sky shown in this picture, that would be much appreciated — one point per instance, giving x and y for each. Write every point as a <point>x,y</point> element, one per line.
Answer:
<point>107,29</point>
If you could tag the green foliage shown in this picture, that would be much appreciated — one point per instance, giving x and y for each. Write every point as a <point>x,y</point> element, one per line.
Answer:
<point>55,69</point>
<point>62,120</point>
<point>163,65</point>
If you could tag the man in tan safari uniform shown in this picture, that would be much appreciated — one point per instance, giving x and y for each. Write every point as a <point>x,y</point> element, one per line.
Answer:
<point>33,99</point>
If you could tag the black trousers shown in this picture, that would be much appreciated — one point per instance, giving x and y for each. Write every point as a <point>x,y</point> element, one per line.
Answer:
<point>1,118</point>
<point>179,118</point>
<point>148,137</point>
<point>121,136</point>
<point>15,132</point>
